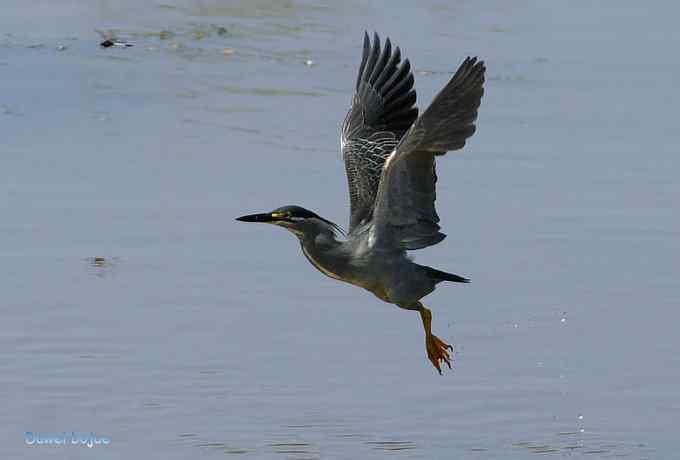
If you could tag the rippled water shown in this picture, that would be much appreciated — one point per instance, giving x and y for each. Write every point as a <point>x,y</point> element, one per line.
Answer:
<point>134,307</point>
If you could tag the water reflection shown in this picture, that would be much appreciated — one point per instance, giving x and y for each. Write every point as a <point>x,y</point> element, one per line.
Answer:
<point>294,444</point>
<point>294,448</point>
<point>192,439</point>
<point>569,443</point>
<point>392,445</point>
<point>220,446</point>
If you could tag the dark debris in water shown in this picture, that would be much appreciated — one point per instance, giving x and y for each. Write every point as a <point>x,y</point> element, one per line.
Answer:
<point>97,261</point>
<point>102,266</point>
<point>109,43</point>
<point>220,30</point>
<point>110,40</point>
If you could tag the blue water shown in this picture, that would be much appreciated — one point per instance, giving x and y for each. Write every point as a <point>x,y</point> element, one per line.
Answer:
<point>196,335</point>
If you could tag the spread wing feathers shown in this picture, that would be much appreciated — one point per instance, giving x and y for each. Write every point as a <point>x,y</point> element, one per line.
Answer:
<point>404,211</point>
<point>382,110</point>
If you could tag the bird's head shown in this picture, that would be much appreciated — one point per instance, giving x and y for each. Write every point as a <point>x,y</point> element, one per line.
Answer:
<point>295,219</point>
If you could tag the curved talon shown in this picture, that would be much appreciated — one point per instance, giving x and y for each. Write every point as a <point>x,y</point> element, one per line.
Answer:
<point>437,352</point>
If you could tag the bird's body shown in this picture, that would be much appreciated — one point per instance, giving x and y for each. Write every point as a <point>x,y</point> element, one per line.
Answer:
<point>386,272</point>
<point>389,154</point>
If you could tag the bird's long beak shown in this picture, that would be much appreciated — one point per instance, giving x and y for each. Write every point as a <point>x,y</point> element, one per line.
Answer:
<point>265,217</point>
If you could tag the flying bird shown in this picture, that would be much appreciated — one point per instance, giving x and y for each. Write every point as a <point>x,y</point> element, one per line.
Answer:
<point>389,152</point>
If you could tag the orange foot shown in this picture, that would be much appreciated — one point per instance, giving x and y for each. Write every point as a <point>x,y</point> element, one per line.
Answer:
<point>438,351</point>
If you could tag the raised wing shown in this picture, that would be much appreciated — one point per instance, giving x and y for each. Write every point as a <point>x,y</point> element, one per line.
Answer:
<point>382,110</point>
<point>404,213</point>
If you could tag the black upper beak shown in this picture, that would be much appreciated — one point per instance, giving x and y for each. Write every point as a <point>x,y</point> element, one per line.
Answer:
<point>266,217</point>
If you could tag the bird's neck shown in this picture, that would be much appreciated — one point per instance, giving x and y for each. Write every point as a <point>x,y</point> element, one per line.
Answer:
<point>326,253</point>
<point>320,242</point>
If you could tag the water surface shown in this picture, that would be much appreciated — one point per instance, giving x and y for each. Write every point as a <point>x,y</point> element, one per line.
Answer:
<point>195,335</point>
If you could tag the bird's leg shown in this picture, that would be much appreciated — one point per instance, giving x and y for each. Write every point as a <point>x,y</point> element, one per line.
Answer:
<point>437,349</point>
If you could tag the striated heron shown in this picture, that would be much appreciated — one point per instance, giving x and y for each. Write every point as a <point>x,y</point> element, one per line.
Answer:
<point>389,154</point>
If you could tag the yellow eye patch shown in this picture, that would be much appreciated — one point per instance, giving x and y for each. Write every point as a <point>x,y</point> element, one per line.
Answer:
<point>281,215</point>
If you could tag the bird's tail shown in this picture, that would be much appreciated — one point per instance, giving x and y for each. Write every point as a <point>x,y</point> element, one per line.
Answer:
<point>439,276</point>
